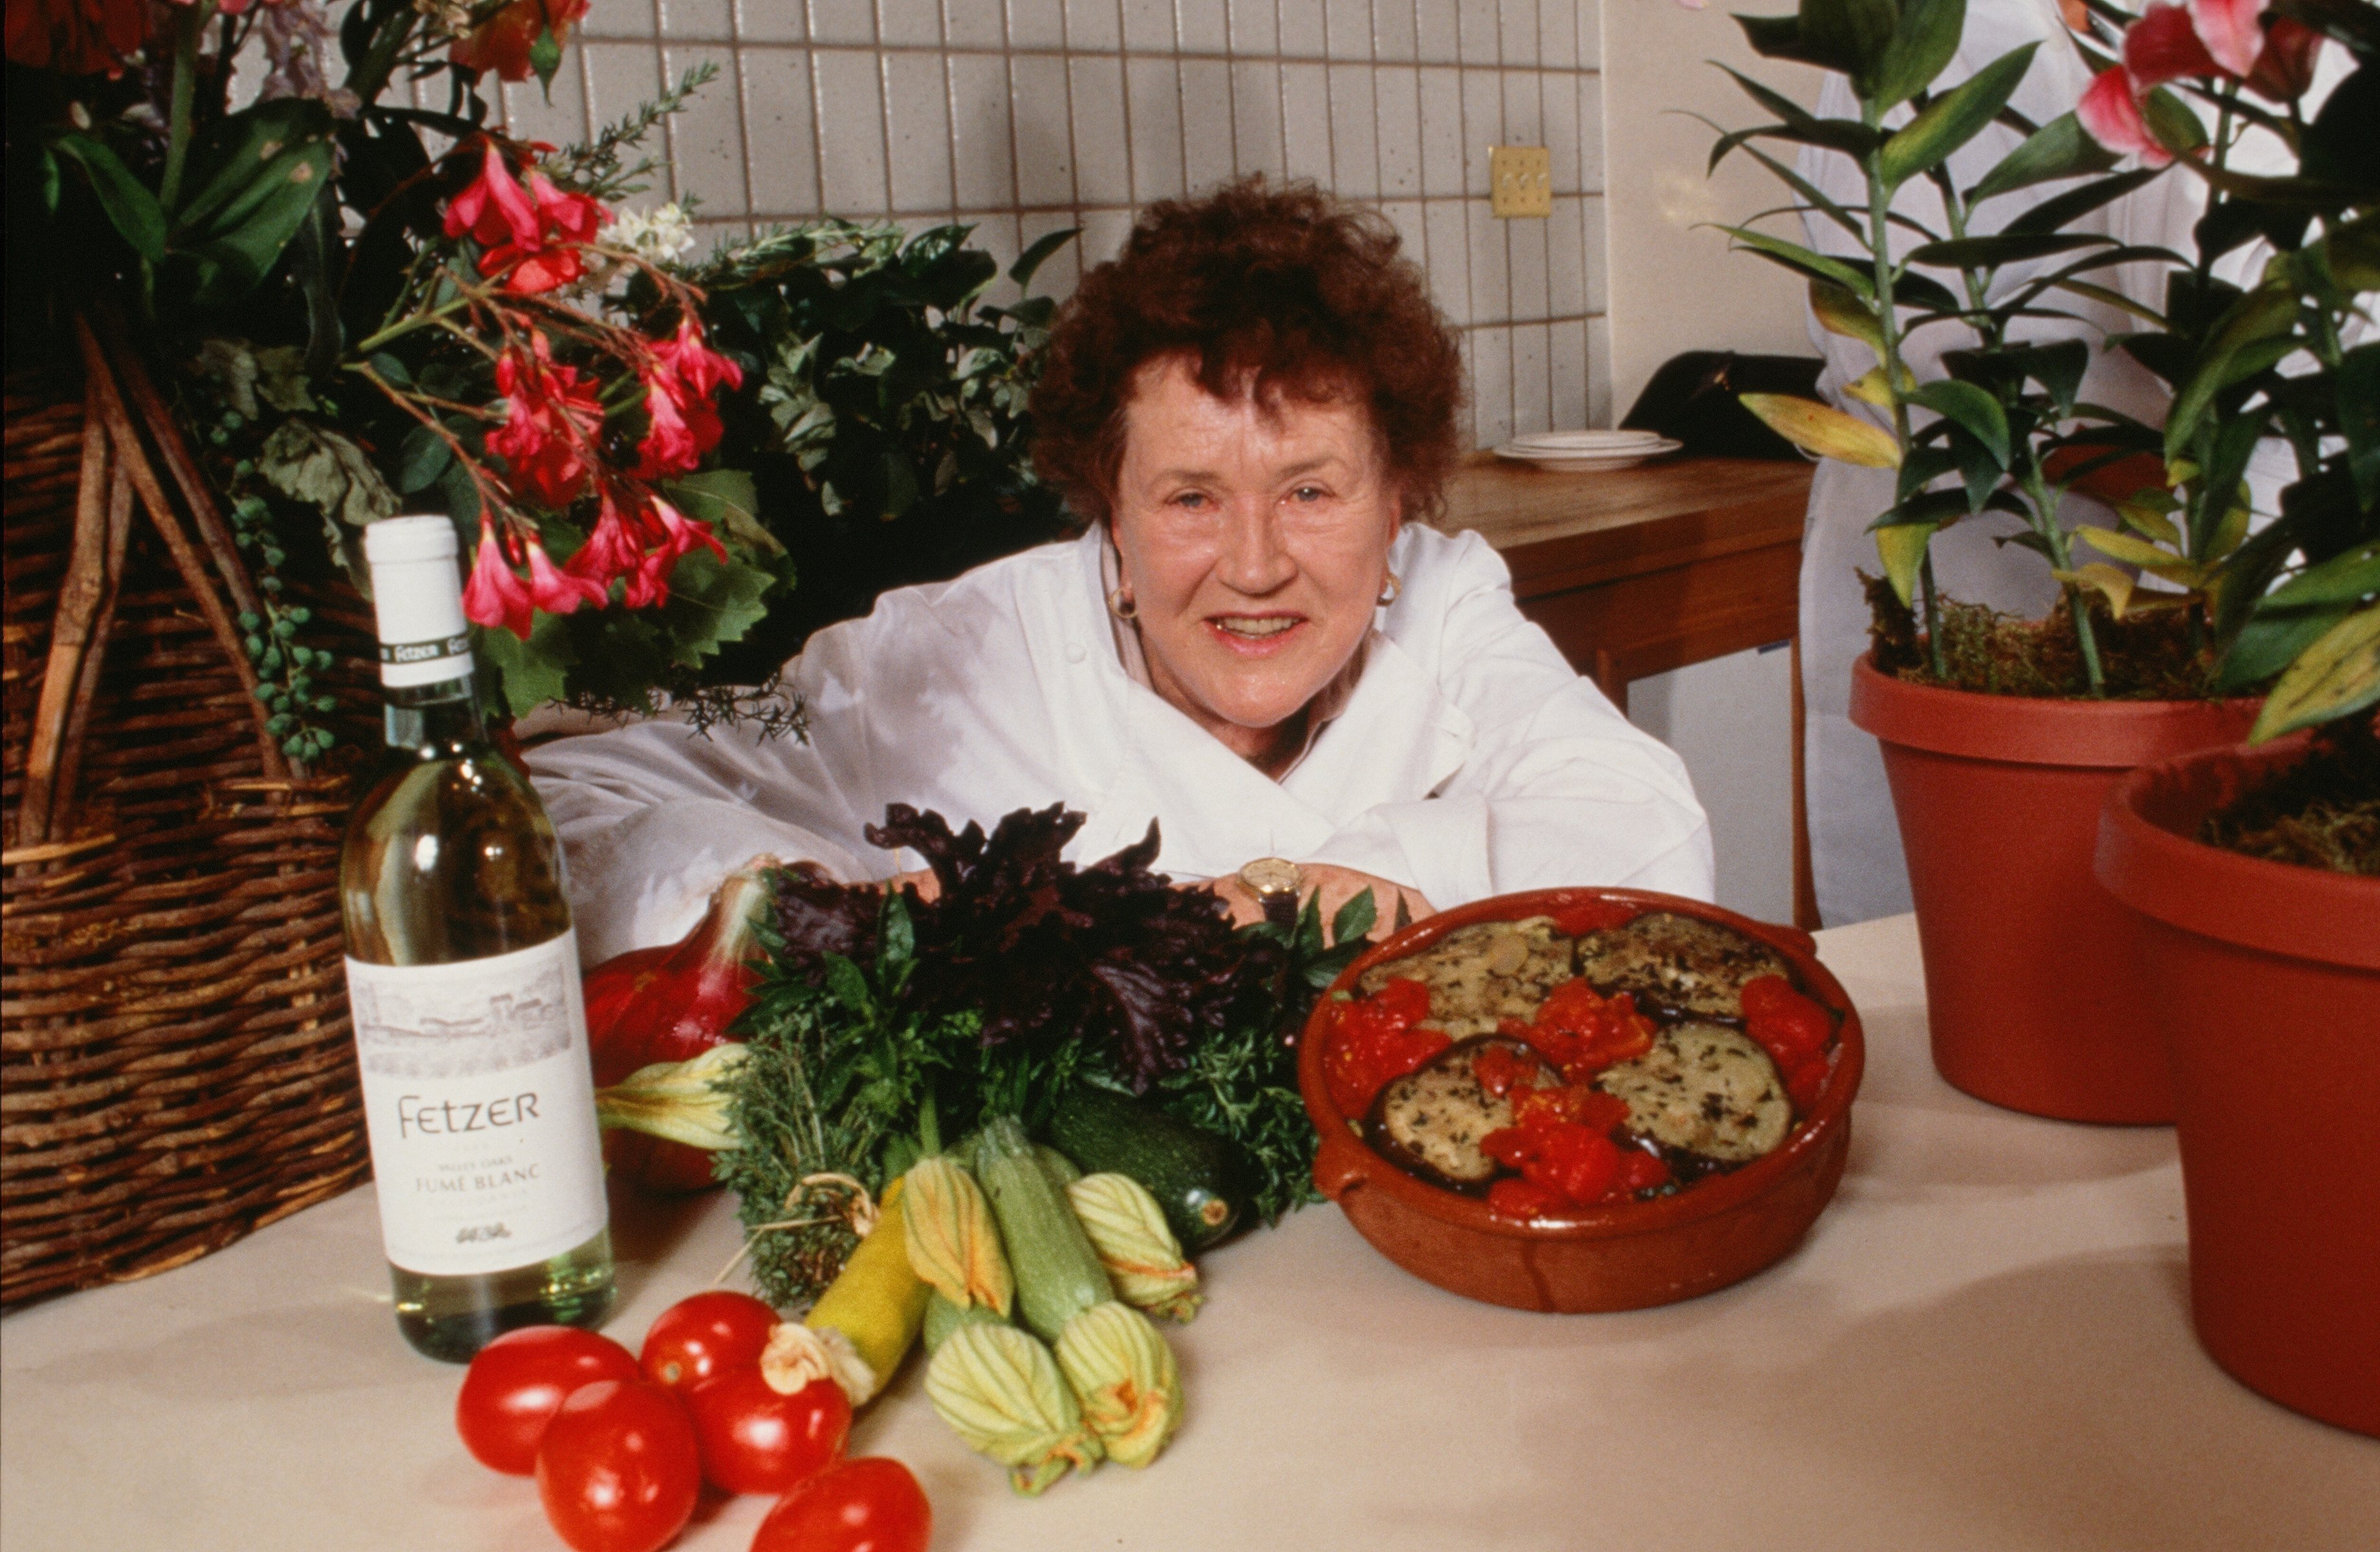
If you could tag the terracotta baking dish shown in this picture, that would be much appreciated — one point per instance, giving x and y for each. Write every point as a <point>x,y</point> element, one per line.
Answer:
<point>1629,1256</point>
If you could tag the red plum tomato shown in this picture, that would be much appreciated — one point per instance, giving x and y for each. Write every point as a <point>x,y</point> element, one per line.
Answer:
<point>517,1382</point>
<point>754,1438</point>
<point>618,1470</point>
<point>869,1505</point>
<point>709,1335</point>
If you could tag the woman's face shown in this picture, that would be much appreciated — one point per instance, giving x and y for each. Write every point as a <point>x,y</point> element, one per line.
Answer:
<point>1255,542</point>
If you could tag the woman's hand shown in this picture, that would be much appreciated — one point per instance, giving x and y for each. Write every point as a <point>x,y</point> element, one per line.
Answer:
<point>1337,885</point>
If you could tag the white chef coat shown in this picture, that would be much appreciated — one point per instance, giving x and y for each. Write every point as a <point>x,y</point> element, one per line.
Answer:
<point>1470,759</point>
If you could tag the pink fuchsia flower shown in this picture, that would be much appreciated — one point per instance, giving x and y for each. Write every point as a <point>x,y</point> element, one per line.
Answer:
<point>494,209</point>
<point>504,40</point>
<point>494,596</point>
<point>612,549</point>
<point>682,426</point>
<point>555,590</point>
<point>701,368</point>
<point>2111,113</point>
<point>552,415</point>
<point>532,271</point>
<point>649,583</point>
<point>571,217</point>
<point>682,533</point>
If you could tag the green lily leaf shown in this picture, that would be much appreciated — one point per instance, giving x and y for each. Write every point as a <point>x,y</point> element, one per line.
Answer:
<point>131,209</point>
<point>1971,407</point>
<point>1902,547</point>
<point>1952,119</point>
<point>1922,45</point>
<point>2059,149</point>
<point>2336,676</point>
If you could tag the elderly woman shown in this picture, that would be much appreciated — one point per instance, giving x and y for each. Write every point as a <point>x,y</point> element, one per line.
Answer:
<point>1249,643</point>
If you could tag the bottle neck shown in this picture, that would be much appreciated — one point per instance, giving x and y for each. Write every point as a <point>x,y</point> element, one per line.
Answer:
<point>434,717</point>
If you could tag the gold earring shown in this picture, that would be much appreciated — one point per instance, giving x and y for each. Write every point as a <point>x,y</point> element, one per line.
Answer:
<point>1123,606</point>
<point>1388,594</point>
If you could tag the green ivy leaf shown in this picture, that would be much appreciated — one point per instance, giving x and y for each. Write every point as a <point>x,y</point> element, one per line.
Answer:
<point>528,672</point>
<point>729,501</point>
<point>711,604</point>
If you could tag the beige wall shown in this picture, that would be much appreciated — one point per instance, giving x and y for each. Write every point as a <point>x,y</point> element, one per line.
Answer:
<point>1673,283</point>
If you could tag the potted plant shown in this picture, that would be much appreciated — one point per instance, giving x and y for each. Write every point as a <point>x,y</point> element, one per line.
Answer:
<point>2001,737</point>
<point>2255,870</point>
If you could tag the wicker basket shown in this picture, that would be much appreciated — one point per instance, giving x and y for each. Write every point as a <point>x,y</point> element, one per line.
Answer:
<point>173,1034</point>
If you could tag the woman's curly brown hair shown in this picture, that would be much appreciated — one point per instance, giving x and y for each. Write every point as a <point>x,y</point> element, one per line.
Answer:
<point>1272,291</point>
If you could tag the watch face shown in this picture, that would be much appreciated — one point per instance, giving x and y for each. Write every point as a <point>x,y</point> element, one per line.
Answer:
<point>1271,876</point>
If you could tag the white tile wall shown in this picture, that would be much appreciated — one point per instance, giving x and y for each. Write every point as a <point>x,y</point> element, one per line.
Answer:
<point>1026,117</point>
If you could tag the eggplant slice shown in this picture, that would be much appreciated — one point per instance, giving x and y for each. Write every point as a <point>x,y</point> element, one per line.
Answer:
<point>1705,1089</point>
<point>1430,1122</point>
<point>1480,973</point>
<point>1678,965</point>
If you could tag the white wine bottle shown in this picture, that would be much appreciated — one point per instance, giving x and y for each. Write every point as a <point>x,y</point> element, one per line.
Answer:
<point>463,978</point>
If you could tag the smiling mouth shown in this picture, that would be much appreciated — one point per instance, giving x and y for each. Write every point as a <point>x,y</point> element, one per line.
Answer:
<point>1255,627</point>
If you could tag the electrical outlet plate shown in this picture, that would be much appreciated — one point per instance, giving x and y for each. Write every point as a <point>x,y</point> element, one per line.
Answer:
<point>1521,180</point>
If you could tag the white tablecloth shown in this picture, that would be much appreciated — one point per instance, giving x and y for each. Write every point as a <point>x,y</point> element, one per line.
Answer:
<point>1984,1343</point>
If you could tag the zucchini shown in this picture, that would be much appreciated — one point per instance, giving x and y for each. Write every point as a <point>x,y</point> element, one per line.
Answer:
<point>1198,1178</point>
<point>1057,1269</point>
<point>942,1317</point>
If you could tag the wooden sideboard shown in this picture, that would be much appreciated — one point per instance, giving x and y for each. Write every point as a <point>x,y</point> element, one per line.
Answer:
<point>1637,571</point>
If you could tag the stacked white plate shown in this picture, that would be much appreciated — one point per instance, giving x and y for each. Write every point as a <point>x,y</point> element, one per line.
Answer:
<point>1586,452</point>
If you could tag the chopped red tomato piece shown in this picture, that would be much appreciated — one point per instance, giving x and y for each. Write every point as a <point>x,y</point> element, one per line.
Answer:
<point>1793,1030</point>
<point>1500,1071</point>
<point>1578,1163</point>
<point>1379,1039</point>
<point>1640,1170</point>
<point>1584,1032</point>
<point>1517,1198</point>
<point>1592,915</point>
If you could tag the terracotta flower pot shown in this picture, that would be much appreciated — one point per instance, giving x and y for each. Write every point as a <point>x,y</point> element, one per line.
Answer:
<point>2033,993</point>
<point>2266,980</point>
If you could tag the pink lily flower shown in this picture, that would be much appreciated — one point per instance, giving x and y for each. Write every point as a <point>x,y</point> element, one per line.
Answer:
<point>2229,29</point>
<point>2111,114</point>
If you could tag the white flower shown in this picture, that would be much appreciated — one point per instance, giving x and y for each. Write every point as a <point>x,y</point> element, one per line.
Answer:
<point>657,235</point>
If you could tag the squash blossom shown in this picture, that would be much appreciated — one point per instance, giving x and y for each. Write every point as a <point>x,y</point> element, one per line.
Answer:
<point>953,1245</point>
<point>1142,1257</point>
<point>683,1101</point>
<point>1127,1380</point>
<point>1002,1394</point>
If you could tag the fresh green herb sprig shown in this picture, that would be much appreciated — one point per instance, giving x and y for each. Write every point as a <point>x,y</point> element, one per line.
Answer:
<point>1244,1085</point>
<point>841,1079</point>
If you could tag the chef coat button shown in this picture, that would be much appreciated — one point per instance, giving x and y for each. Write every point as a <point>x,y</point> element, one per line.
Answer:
<point>1074,651</point>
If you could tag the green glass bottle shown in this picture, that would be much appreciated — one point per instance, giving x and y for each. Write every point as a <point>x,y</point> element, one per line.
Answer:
<point>463,978</point>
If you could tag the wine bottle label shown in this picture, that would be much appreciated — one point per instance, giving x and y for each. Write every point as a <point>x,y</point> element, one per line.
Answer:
<point>480,1108</point>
